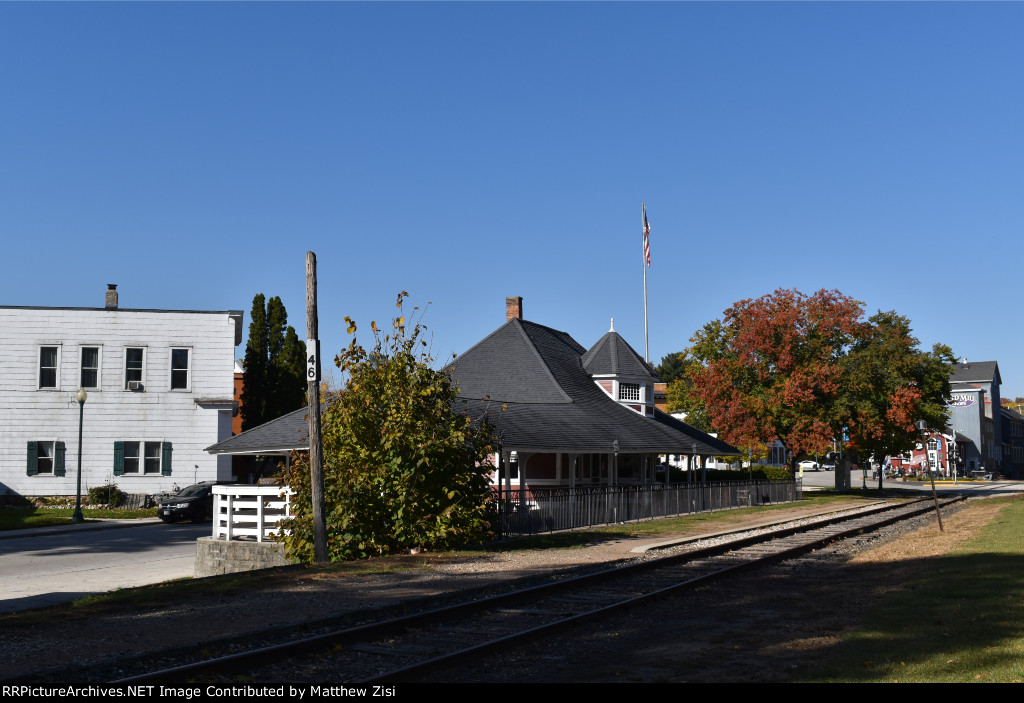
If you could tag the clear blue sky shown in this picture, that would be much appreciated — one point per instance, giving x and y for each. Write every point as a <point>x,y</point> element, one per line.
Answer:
<point>192,153</point>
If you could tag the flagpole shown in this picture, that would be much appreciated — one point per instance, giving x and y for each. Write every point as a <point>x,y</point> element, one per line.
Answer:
<point>643,227</point>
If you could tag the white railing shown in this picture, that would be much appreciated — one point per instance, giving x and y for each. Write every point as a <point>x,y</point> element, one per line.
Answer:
<point>245,512</point>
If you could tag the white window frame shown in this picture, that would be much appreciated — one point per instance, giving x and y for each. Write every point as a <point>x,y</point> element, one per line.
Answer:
<point>99,365</point>
<point>188,370</point>
<point>39,368</point>
<point>141,457</point>
<point>142,371</point>
<point>52,457</point>
<point>631,386</point>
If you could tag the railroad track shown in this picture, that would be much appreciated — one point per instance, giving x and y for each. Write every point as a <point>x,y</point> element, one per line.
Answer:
<point>403,648</point>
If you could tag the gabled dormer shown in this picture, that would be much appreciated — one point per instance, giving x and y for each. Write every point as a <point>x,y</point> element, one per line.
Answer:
<point>621,373</point>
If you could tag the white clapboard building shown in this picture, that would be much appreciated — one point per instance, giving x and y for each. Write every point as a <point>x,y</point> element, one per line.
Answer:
<point>159,385</point>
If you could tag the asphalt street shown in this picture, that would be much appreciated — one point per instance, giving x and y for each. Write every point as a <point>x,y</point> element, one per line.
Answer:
<point>812,479</point>
<point>47,566</point>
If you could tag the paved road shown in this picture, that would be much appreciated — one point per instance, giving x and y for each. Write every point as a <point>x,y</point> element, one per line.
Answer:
<point>828,478</point>
<point>42,568</point>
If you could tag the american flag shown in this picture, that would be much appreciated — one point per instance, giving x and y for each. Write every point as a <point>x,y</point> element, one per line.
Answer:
<point>647,231</point>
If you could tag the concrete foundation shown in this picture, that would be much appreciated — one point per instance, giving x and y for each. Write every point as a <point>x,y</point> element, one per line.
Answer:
<point>218,556</point>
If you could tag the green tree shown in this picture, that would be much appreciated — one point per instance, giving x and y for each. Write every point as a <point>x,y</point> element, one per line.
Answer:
<point>275,381</point>
<point>254,388</point>
<point>889,383</point>
<point>403,467</point>
<point>672,367</point>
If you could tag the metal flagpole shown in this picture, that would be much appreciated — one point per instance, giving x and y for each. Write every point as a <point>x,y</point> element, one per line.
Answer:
<point>646,262</point>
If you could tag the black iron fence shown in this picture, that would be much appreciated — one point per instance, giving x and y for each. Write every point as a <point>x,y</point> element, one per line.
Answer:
<point>548,510</point>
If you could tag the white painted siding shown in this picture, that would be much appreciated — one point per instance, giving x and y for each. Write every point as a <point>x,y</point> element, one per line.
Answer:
<point>190,419</point>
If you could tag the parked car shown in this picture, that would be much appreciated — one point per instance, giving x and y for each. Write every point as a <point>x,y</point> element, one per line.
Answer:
<point>828,466</point>
<point>809,465</point>
<point>193,503</point>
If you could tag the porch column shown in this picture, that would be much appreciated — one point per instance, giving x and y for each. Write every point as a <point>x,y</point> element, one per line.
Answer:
<point>505,458</point>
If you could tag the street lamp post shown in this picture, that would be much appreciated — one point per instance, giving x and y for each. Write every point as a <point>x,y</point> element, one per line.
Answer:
<point>615,475</point>
<point>81,398</point>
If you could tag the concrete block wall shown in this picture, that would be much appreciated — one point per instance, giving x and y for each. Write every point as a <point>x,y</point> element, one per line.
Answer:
<point>217,556</point>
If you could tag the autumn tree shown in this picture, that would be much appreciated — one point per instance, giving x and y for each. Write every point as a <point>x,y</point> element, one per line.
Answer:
<point>771,369</point>
<point>889,384</point>
<point>799,369</point>
<point>680,396</point>
<point>403,468</point>
<point>275,382</point>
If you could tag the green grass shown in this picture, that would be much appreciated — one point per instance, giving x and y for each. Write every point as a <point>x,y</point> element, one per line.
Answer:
<point>700,522</point>
<point>24,518</point>
<point>959,620</point>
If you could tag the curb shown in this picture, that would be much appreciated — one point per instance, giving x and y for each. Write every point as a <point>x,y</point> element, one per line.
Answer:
<point>99,524</point>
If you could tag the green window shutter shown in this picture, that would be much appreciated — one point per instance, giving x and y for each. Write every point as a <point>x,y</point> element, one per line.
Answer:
<point>119,458</point>
<point>165,465</point>
<point>33,458</point>
<point>58,460</point>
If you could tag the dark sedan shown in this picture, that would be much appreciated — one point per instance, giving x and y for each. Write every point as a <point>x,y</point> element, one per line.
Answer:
<point>194,503</point>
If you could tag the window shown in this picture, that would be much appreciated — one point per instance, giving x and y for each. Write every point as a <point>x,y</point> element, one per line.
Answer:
<point>133,359</point>
<point>142,458</point>
<point>46,458</point>
<point>48,367</point>
<point>90,371</point>
<point>629,391</point>
<point>179,369</point>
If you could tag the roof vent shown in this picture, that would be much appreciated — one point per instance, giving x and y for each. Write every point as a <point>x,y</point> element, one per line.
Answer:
<point>111,302</point>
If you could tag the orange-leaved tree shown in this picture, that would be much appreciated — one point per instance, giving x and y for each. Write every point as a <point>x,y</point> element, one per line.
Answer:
<point>771,368</point>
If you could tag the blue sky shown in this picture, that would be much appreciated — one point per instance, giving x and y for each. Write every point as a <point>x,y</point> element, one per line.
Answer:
<point>193,152</point>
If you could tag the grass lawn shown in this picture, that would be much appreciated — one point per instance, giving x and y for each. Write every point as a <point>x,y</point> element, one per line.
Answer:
<point>959,619</point>
<point>23,518</point>
<point>699,522</point>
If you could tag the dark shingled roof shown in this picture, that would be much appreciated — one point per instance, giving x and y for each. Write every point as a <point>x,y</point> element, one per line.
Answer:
<point>281,435</point>
<point>529,379</point>
<point>530,382</point>
<point>976,372</point>
<point>613,356</point>
<point>722,448</point>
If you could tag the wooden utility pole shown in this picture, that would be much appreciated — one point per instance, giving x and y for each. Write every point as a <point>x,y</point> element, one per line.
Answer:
<point>316,451</point>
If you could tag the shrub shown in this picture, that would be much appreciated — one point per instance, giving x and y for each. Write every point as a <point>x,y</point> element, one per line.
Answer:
<point>109,495</point>
<point>403,469</point>
<point>759,473</point>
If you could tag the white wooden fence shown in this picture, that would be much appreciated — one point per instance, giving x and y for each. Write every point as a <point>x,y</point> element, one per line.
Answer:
<point>248,512</point>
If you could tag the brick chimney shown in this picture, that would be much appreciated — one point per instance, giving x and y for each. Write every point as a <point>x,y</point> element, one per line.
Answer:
<point>111,303</point>
<point>514,308</point>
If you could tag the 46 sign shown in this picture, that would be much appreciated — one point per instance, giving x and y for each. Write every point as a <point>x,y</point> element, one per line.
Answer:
<point>313,360</point>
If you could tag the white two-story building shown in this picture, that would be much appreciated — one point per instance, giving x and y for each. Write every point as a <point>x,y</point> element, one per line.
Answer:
<point>159,385</point>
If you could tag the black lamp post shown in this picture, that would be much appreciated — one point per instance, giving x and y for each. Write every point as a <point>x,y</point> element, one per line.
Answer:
<point>615,467</point>
<point>77,516</point>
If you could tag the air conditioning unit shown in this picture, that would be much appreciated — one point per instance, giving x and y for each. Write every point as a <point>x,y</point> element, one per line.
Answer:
<point>134,385</point>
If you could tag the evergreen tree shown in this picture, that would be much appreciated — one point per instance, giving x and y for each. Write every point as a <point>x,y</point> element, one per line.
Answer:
<point>275,381</point>
<point>254,388</point>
